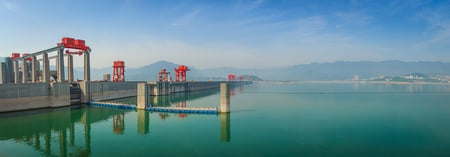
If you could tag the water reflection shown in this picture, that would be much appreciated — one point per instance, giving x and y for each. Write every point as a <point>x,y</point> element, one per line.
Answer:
<point>225,133</point>
<point>119,123</point>
<point>53,132</point>
<point>143,122</point>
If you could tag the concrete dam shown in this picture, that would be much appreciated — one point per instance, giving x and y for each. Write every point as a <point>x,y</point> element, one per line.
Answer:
<point>24,85</point>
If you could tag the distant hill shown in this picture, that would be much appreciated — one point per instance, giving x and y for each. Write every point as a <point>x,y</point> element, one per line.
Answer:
<point>315,71</point>
<point>341,70</point>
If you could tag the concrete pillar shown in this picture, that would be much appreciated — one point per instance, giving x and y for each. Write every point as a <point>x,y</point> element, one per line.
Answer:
<point>24,71</point>
<point>143,122</point>
<point>16,71</point>
<point>224,98</point>
<point>9,70</point>
<point>46,68</point>
<point>3,73</point>
<point>142,96</point>
<point>34,67</point>
<point>60,65</point>
<point>85,88</point>
<point>70,68</point>
<point>225,133</point>
<point>87,67</point>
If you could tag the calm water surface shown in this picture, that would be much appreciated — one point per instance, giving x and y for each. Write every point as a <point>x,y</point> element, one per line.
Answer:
<point>266,120</point>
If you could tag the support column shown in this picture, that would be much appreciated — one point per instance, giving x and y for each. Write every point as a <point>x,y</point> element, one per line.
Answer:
<point>60,65</point>
<point>85,91</point>
<point>46,68</point>
<point>16,72</point>
<point>9,70</point>
<point>142,96</point>
<point>24,71</point>
<point>87,67</point>
<point>70,68</point>
<point>224,98</point>
<point>34,68</point>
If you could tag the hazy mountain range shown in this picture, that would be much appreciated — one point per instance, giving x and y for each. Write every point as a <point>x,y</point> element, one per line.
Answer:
<point>316,71</point>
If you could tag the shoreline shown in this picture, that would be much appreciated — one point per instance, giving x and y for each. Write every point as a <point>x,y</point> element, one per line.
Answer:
<point>359,82</point>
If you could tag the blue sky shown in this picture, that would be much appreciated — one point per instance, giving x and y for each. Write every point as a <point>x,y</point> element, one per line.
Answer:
<point>232,33</point>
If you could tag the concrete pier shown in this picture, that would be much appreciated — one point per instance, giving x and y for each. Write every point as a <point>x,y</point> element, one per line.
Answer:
<point>70,68</point>
<point>224,98</point>
<point>3,78</point>
<point>85,91</point>
<point>34,69</point>
<point>24,71</point>
<point>142,96</point>
<point>16,72</point>
<point>60,65</point>
<point>46,68</point>
<point>87,67</point>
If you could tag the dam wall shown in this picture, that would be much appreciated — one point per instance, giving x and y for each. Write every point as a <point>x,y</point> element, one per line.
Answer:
<point>26,96</point>
<point>15,97</point>
<point>112,90</point>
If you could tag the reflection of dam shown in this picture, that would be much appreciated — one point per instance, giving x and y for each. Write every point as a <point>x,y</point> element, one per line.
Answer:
<point>52,132</point>
<point>37,129</point>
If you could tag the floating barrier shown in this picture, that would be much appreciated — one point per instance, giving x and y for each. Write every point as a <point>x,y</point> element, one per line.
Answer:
<point>197,110</point>
<point>194,110</point>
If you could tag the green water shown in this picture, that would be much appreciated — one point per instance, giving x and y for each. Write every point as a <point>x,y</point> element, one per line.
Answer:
<point>266,120</point>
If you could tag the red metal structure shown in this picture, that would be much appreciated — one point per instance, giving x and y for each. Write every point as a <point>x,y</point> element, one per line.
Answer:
<point>26,54</point>
<point>241,78</point>
<point>180,73</point>
<point>73,43</point>
<point>231,77</point>
<point>15,55</point>
<point>119,71</point>
<point>163,75</point>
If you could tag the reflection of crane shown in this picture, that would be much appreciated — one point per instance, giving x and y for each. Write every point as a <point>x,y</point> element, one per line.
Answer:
<point>182,105</point>
<point>119,123</point>
<point>180,73</point>
<point>163,115</point>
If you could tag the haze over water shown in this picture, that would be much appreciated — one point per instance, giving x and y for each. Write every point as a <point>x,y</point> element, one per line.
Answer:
<point>304,119</point>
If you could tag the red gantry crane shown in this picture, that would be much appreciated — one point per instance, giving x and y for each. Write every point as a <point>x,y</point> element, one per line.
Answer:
<point>231,77</point>
<point>163,75</point>
<point>180,73</point>
<point>119,71</point>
